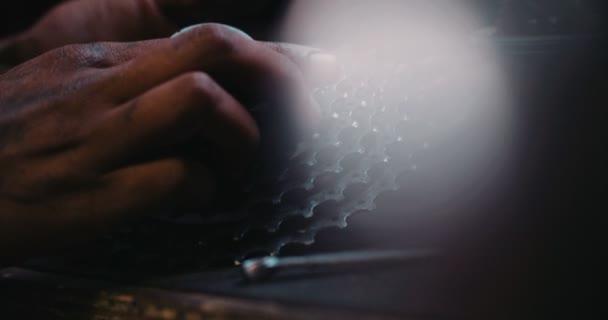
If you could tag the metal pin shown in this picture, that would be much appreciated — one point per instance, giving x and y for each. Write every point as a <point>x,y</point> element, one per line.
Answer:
<point>263,268</point>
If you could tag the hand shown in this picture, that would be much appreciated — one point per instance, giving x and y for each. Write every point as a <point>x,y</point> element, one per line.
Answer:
<point>90,134</point>
<point>84,21</point>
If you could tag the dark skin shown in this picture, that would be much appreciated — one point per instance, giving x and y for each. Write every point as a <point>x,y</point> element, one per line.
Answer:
<point>89,132</point>
<point>83,21</point>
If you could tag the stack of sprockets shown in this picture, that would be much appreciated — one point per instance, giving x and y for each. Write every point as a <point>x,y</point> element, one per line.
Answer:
<point>373,131</point>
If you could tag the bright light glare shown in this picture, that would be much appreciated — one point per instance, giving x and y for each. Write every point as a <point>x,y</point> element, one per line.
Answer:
<point>449,69</point>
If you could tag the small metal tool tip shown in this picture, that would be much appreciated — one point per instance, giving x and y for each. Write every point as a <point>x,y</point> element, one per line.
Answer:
<point>263,268</point>
<point>260,268</point>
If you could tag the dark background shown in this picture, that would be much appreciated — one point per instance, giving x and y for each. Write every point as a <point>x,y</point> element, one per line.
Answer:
<point>19,15</point>
<point>583,16</point>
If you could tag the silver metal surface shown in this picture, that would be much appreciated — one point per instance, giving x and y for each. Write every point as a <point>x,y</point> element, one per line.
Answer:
<point>263,268</point>
<point>374,130</point>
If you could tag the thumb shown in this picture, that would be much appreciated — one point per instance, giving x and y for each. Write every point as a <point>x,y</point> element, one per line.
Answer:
<point>318,66</point>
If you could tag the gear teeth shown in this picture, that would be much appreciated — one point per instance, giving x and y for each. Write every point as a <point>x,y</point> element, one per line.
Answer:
<point>367,139</point>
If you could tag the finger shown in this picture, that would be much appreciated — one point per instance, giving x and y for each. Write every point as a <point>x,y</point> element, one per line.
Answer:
<point>191,105</point>
<point>121,195</point>
<point>319,66</point>
<point>238,63</point>
<point>144,188</point>
<point>203,48</point>
<point>100,55</point>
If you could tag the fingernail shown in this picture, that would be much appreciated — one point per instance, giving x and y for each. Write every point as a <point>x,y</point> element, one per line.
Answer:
<point>324,66</point>
<point>318,57</point>
<point>192,27</point>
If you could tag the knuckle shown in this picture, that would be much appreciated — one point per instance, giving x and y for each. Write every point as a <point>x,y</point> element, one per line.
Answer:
<point>96,55</point>
<point>199,87</point>
<point>217,37</point>
<point>198,93</point>
<point>176,174</point>
<point>187,178</point>
<point>280,48</point>
<point>196,82</point>
<point>287,67</point>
